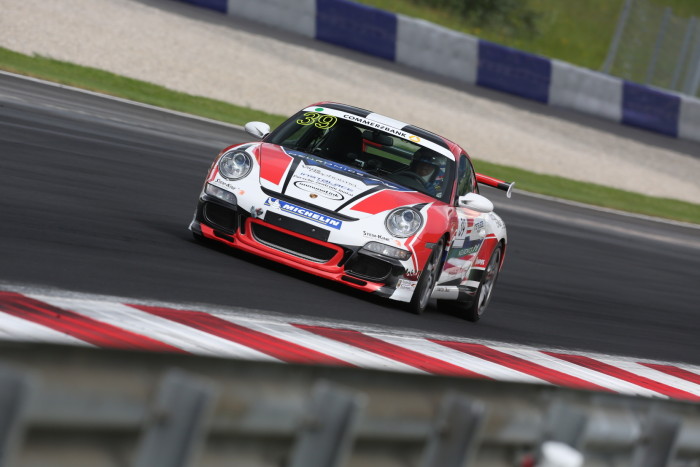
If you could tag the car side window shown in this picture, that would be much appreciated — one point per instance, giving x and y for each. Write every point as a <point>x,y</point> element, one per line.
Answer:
<point>466,181</point>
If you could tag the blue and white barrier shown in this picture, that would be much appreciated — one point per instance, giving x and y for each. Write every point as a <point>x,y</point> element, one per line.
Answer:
<point>429,47</point>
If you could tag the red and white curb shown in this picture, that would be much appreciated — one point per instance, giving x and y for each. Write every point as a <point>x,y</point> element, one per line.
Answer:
<point>104,323</point>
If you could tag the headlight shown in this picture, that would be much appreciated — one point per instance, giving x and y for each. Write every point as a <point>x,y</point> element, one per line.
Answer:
<point>403,222</point>
<point>235,165</point>
<point>387,250</point>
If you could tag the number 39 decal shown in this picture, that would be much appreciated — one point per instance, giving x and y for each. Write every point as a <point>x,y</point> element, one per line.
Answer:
<point>318,120</point>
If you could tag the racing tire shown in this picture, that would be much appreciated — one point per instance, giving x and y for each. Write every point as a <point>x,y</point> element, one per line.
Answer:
<point>427,281</point>
<point>474,310</point>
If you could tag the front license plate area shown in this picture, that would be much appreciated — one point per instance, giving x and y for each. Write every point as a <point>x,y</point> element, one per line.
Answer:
<point>296,226</point>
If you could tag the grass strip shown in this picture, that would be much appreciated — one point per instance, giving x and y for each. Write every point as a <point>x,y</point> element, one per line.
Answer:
<point>108,83</point>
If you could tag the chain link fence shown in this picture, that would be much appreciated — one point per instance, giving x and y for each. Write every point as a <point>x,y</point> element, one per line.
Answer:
<point>654,46</point>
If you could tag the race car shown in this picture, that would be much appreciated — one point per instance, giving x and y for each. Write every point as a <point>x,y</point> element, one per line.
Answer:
<point>362,199</point>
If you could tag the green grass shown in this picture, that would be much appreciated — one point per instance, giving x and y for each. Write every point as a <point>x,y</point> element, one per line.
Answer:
<point>575,31</point>
<point>127,88</point>
<point>591,193</point>
<point>109,83</point>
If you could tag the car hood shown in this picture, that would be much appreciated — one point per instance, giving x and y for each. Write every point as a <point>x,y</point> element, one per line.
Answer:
<point>330,186</point>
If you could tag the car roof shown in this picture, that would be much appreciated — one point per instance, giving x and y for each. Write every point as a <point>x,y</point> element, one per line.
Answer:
<point>418,131</point>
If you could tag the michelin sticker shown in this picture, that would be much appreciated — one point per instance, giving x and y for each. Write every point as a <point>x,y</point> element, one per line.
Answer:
<point>307,214</point>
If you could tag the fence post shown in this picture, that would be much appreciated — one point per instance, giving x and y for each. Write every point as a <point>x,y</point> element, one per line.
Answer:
<point>327,431</point>
<point>176,425</point>
<point>657,46</point>
<point>657,445</point>
<point>453,438</point>
<point>16,390</point>
<point>689,30</point>
<point>615,44</point>
<point>693,66</point>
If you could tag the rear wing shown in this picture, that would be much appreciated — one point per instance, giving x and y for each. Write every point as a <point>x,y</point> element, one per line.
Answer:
<point>496,183</point>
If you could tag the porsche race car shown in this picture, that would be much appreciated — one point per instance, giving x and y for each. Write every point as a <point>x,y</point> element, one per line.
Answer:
<point>362,199</point>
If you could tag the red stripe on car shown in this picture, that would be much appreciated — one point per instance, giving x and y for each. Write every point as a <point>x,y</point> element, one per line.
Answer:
<point>274,163</point>
<point>79,326</point>
<point>389,199</point>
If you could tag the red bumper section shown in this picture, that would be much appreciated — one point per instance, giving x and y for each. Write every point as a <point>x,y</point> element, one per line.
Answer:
<point>261,239</point>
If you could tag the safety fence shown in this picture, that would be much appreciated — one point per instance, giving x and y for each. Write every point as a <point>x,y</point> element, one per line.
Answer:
<point>426,46</point>
<point>75,406</point>
<point>652,45</point>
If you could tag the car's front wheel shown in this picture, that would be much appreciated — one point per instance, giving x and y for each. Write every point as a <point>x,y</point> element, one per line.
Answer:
<point>475,308</point>
<point>427,281</point>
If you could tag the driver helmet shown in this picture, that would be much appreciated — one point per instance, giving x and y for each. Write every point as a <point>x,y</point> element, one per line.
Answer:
<point>425,157</point>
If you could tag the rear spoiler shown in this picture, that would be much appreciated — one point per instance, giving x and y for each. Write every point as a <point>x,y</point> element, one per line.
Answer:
<point>496,183</point>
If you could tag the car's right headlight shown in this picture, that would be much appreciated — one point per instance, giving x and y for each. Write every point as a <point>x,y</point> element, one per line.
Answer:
<point>235,165</point>
<point>403,222</point>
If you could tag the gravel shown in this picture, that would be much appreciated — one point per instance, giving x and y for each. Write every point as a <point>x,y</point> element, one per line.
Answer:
<point>202,52</point>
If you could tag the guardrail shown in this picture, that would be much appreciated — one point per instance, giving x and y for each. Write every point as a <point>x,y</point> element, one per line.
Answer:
<point>426,46</point>
<point>72,406</point>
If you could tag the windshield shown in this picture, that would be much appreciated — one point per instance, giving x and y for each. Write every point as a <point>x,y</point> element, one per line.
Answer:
<point>373,150</point>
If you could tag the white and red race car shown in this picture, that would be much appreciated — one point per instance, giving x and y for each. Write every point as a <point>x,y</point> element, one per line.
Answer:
<point>362,199</point>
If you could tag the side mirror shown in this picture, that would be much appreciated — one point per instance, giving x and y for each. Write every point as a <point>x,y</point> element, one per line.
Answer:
<point>476,202</point>
<point>257,129</point>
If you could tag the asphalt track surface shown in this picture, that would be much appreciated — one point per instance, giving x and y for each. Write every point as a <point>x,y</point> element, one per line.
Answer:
<point>96,196</point>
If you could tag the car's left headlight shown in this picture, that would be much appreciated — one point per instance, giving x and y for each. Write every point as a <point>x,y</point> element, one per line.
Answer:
<point>403,222</point>
<point>235,165</point>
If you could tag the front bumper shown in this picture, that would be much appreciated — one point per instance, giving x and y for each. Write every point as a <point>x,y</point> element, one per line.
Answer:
<point>295,244</point>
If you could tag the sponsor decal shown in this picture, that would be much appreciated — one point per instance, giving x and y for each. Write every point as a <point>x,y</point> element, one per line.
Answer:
<point>377,125</point>
<point>223,184</point>
<point>468,251</point>
<point>318,189</point>
<point>463,225</point>
<point>305,213</point>
<point>480,262</point>
<point>384,238</point>
<point>496,219</point>
<point>414,138</point>
<point>406,284</point>
<point>411,274</point>
<point>479,225</point>
<point>375,236</point>
<point>469,247</point>
<point>315,165</point>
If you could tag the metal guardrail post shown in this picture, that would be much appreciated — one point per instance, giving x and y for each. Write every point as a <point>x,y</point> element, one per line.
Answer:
<point>615,44</point>
<point>682,55</point>
<point>327,431</point>
<point>693,67</point>
<point>657,46</point>
<point>657,446</point>
<point>566,424</point>
<point>455,433</point>
<point>16,389</point>
<point>175,428</point>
